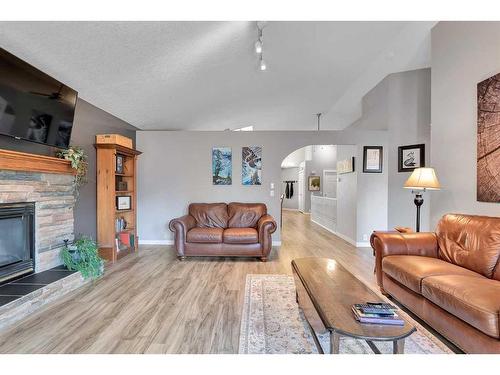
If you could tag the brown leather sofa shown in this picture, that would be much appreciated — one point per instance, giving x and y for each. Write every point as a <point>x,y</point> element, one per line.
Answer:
<point>220,229</point>
<point>450,278</point>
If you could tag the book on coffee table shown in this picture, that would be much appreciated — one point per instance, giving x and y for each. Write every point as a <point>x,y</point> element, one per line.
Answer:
<point>375,318</point>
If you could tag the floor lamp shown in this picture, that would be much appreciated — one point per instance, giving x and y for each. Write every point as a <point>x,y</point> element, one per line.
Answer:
<point>420,180</point>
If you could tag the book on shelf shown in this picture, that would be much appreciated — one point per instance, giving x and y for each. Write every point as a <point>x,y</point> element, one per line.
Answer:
<point>120,224</point>
<point>125,240</point>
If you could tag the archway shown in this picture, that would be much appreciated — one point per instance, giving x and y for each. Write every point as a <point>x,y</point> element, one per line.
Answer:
<point>309,184</point>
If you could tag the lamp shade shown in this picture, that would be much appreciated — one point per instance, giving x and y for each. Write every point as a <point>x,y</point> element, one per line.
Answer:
<point>423,179</point>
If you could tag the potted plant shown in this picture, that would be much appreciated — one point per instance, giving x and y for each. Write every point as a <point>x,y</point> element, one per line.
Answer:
<point>83,256</point>
<point>78,158</point>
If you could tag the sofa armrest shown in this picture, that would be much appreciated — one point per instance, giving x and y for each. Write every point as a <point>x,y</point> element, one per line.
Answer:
<point>266,226</point>
<point>180,226</point>
<point>395,243</point>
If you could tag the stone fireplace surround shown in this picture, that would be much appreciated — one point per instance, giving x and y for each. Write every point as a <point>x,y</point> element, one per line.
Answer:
<point>47,182</point>
<point>54,201</point>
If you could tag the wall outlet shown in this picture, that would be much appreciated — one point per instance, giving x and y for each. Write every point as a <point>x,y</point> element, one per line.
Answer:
<point>365,237</point>
<point>272,185</point>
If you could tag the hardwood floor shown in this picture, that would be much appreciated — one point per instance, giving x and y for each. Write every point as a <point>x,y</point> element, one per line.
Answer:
<point>152,303</point>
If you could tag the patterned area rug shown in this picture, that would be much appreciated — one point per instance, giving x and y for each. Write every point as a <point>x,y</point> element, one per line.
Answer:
<point>272,323</point>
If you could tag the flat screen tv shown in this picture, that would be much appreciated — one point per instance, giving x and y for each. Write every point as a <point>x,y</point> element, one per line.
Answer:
<point>34,106</point>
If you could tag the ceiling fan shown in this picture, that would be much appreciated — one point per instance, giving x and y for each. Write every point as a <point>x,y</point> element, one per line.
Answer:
<point>52,96</point>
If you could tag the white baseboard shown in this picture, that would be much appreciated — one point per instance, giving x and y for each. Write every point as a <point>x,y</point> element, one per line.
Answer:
<point>290,209</point>
<point>156,242</point>
<point>363,244</point>
<point>171,242</point>
<point>344,237</point>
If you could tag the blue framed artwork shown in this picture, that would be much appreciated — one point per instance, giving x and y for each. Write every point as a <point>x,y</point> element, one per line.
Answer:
<point>222,168</point>
<point>251,165</point>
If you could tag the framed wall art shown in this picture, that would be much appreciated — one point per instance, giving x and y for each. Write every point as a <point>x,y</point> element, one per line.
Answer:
<point>372,159</point>
<point>314,183</point>
<point>411,157</point>
<point>123,202</point>
<point>222,167</point>
<point>251,165</point>
<point>119,164</point>
<point>488,140</point>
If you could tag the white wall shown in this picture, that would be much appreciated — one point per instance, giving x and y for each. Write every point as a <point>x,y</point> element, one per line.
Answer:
<point>463,54</point>
<point>175,170</point>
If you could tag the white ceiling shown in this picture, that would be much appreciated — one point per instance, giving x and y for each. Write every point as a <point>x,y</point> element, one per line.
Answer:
<point>205,76</point>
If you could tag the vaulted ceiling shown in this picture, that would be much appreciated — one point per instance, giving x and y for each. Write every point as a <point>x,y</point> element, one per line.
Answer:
<point>205,75</point>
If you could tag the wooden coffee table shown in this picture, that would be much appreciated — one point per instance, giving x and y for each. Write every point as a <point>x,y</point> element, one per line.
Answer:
<point>326,292</point>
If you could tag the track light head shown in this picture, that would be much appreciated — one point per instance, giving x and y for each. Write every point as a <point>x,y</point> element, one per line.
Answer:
<point>263,65</point>
<point>258,46</point>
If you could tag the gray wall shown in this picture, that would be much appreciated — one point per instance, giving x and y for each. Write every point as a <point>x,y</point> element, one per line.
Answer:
<point>290,174</point>
<point>175,170</point>
<point>372,196</point>
<point>400,103</point>
<point>89,121</point>
<point>347,196</point>
<point>463,54</point>
<point>409,100</point>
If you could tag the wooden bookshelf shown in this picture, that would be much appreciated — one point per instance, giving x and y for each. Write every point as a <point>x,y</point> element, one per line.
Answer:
<point>107,212</point>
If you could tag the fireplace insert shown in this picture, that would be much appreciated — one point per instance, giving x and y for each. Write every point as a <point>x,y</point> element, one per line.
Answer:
<point>17,240</point>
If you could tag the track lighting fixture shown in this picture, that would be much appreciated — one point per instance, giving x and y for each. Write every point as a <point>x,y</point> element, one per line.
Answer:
<point>259,44</point>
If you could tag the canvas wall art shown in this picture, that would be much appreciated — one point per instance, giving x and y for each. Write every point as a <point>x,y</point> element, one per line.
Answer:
<point>488,140</point>
<point>251,165</point>
<point>222,168</point>
<point>345,166</point>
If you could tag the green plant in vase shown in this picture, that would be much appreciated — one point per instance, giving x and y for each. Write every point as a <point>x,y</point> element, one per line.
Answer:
<point>78,158</point>
<point>83,256</point>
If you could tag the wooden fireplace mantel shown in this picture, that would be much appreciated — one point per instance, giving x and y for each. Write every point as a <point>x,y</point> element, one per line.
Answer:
<point>21,161</point>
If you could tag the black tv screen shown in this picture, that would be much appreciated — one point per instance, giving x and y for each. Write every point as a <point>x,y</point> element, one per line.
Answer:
<point>34,106</point>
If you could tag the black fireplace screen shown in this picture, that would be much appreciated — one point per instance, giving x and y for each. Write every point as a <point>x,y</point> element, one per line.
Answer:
<point>17,242</point>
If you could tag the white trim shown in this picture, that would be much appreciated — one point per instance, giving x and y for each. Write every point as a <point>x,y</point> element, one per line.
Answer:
<point>344,237</point>
<point>171,242</point>
<point>156,242</point>
<point>363,244</point>
<point>290,209</point>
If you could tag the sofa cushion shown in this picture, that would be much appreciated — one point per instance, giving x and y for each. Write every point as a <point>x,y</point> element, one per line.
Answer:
<point>209,215</point>
<point>410,270</point>
<point>475,300</point>
<point>240,235</point>
<point>205,235</point>
<point>470,241</point>
<point>245,215</point>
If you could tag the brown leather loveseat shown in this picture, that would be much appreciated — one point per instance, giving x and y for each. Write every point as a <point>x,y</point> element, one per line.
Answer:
<point>450,279</point>
<point>220,229</point>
